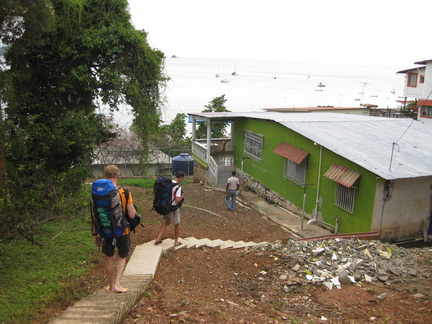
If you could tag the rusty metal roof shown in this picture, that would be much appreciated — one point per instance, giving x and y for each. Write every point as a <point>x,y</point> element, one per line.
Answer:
<point>424,102</point>
<point>342,175</point>
<point>291,152</point>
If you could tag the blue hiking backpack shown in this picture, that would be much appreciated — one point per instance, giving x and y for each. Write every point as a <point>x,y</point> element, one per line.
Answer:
<point>110,221</point>
<point>163,195</point>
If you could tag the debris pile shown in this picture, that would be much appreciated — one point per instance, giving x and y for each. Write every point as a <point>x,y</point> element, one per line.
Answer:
<point>334,262</point>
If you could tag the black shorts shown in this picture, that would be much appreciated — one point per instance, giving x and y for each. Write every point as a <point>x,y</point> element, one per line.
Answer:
<point>123,246</point>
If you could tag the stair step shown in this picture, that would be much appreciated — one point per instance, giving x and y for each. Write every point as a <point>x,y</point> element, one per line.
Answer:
<point>222,244</point>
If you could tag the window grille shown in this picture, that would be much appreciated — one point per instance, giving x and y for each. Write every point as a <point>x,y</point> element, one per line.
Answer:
<point>296,172</point>
<point>345,196</point>
<point>253,144</point>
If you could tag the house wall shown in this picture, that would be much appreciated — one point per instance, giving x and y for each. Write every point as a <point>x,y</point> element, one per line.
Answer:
<point>408,207</point>
<point>414,92</point>
<point>427,85</point>
<point>269,173</point>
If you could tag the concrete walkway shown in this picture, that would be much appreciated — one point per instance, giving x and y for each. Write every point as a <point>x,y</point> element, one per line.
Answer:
<point>108,307</point>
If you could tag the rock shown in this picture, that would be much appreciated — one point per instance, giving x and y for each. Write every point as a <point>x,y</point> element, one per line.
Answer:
<point>348,260</point>
<point>382,296</point>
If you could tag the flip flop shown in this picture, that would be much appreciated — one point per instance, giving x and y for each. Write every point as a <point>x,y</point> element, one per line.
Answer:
<point>158,242</point>
<point>123,291</point>
<point>179,243</point>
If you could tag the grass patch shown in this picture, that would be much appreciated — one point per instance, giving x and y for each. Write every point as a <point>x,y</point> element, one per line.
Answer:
<point>32,276</point>
<point>145,182</point>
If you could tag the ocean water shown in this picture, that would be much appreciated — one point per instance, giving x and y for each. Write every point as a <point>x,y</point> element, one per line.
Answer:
<point>273,84</point>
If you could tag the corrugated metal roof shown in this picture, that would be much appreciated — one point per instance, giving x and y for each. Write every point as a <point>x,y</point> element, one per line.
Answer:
<point>392,148</point>
<point>291,152</point>
<point>342,175</point>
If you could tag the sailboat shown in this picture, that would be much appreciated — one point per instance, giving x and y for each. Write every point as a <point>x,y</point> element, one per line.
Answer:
<point>225,80</point>
<point>235,69</point>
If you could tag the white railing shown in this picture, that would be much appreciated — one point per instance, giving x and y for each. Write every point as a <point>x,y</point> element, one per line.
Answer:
<point>199,150</point>
<point>223,156</point>
<point>213,167</point>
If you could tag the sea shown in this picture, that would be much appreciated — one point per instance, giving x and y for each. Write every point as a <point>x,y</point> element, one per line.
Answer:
<point>251,85</point>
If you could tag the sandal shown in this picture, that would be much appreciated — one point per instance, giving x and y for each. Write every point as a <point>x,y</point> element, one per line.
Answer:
<point>178,244</point>
<point>158,242</point>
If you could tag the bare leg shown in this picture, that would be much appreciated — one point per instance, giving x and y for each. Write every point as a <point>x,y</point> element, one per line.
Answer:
<point>109,267</point>
<point>162,231</point>
<point>176,233</point>
<point>121,264</point>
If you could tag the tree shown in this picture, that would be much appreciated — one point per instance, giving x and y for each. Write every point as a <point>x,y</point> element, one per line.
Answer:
<point>17,16</point>
<point>218,129</point>
<point>90,51</point>
<point>172,136</point>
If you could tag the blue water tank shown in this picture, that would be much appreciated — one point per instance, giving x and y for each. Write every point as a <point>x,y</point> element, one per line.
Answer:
<point>184,162</point>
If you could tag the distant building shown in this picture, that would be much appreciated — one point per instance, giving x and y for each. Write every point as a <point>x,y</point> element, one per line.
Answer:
<point>129,162</point>
<point>418,86</point>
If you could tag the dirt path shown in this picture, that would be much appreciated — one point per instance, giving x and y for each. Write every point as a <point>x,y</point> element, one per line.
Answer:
<point>225,286</point>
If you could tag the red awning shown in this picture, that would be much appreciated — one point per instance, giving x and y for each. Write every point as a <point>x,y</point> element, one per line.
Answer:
<point>342,175</point>
<point>424,103</point>
<point>291,152</point>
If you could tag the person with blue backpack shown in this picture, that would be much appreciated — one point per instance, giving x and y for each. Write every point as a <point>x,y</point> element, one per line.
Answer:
<point>110,228</point>
<point>172,213</point>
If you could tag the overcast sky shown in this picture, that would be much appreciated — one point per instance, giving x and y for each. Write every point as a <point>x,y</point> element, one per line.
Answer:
<point>391,32</point>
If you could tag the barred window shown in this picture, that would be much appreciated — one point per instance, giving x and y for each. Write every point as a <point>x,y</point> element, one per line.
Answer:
<point>253,144</point>
<point>345,196</point>
<point>296,172</point>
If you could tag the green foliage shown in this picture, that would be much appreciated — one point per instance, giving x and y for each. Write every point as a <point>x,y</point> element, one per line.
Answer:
<point>137,182</point>
<point>33,276</point>
<point>171,138</point>
<point>217,128</point>
<point>40,202</point>
<point>61,60</point>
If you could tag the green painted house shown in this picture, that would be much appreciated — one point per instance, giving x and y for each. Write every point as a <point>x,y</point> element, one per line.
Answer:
<point>347,172</point>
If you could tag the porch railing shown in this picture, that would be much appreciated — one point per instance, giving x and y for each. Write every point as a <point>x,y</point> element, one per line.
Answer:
<point>221,154</point>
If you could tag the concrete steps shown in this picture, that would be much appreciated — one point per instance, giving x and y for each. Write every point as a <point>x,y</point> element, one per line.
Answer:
<point>111,308</point>
<point>191,242</point>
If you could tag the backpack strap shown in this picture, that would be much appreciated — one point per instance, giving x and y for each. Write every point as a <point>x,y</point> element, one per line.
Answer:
<point>175,192</point>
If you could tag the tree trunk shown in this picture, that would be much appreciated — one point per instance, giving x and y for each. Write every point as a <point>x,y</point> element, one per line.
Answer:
<point>3,172</point>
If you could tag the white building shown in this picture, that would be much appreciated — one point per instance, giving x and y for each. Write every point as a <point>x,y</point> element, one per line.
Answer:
<point>418,87</point>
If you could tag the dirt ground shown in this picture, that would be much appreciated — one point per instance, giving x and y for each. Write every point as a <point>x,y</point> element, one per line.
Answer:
<point>227,286</point>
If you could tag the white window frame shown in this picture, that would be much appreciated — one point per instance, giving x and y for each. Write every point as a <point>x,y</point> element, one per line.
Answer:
<point>253,144</point>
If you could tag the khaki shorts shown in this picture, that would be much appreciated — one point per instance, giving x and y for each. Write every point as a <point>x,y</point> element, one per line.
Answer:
<point>173,217</point>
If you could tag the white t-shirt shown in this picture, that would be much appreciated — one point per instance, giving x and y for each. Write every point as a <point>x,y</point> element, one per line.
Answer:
<point>178,193</point>
<point>232,183</point>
